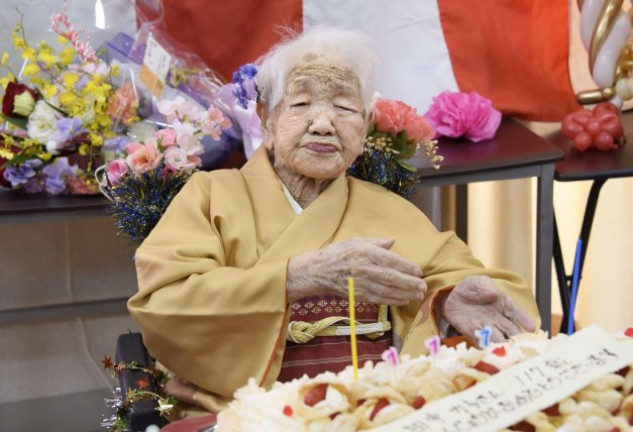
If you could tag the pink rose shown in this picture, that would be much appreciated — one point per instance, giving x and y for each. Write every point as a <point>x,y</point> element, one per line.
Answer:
<point>132,146</point>
<point>166,137</point>
<point>396,116</point>
<point>116,169</point>
<point>457,114</point>
<point>144,158</point>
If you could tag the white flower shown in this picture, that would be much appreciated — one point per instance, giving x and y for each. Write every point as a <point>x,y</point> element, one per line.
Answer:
<point>176,159</point>
<point>186,139</point>
<point>41,125</point>
<point>180,109</point>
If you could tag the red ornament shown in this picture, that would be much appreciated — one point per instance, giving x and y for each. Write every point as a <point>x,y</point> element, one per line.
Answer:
<point>600,128</point>
<point>287,411</point>
<point>629,332</point>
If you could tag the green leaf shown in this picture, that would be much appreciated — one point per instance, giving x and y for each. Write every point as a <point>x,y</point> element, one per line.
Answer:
<point>18,159</point>
<point>16,121</point>
<point>406,166</point>
<point>59,110</point>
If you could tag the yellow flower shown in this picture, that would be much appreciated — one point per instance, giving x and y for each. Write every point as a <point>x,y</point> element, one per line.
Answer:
<point>4,82</point>
<point>29,54</point>
<point>63,40</point>
<point>49,90</point>
<point>70,79</point>
<point>5,57</point>
<point>96,140</point>
<point>67,99</point>
<point>84,149</point>
<point>31,69</point>
<point>18,42</point>
<point>6,154</point>
<point>45,156</point>
<point>103,120</point>
<point>67,55</point>
<point>115,70</point>
<point>47,58</point>
<point>37,81</point>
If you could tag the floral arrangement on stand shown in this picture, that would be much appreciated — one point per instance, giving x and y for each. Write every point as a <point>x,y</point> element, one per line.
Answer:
<point>60,114</point>
<point>151,171</point>
<point>396,134</point>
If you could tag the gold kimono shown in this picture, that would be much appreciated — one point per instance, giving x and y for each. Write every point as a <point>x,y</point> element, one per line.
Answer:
<point>212,274</point>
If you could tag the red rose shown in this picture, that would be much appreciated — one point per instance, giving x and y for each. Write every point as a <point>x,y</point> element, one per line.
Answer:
<point>8,101</point>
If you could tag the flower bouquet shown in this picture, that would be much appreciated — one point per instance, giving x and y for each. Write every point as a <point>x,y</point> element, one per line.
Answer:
<point>152,169</point>
<point>394,137</point>
<point>59,114</point>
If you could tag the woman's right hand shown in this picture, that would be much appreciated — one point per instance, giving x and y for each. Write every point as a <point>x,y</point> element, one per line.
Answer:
<point>380,275</point>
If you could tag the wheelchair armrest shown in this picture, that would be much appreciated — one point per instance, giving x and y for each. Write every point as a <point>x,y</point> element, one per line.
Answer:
<point>130,348</point>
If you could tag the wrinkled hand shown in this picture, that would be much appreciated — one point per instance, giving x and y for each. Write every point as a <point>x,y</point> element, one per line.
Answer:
<point>476,302</point>
<point>380,275</point>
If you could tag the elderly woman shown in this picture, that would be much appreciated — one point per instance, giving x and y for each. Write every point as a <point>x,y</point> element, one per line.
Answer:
<point>246,273</point>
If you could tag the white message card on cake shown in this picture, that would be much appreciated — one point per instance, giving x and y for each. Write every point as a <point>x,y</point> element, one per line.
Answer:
<point>511,395</point>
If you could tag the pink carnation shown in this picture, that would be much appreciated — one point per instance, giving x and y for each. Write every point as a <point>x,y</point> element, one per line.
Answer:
<point>167,137</point>
<point>395,116</point>
<point>457,114</point>
<point>116,169</point>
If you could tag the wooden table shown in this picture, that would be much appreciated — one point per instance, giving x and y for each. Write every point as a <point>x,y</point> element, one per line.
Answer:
<point>515,152</point>
<point>597,166</point>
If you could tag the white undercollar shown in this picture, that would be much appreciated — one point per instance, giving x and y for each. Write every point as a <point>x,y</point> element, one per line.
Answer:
<point>293,202</point>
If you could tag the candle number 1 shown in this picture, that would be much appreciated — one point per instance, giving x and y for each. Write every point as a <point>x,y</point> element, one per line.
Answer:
<point>391,356</point>
<point>433,344</point>
<point>484,336</point>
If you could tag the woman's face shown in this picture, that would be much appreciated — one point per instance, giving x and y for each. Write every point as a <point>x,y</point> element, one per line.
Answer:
<point>318,127</point>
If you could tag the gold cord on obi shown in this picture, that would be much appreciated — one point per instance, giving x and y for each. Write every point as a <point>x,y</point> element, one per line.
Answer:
<point>303,332</point>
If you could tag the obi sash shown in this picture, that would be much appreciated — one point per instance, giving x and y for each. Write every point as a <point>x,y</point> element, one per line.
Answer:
<point>318,336</point>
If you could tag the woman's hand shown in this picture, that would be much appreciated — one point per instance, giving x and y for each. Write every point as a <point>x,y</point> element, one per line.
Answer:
<point>380,275</point>
<point>476,302</point>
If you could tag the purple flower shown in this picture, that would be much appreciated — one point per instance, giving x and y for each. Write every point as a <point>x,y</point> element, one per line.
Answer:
<point>116,144</point>
<point>83,80</point>
<point>55,175</point>
<point>34,185</point>
<point>20,174</point>
<point>67,129</point>
<point>244,88</point>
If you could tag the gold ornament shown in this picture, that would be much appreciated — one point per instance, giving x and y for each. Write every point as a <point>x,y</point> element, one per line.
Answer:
<point>608,14</point>
<point>588,97</point>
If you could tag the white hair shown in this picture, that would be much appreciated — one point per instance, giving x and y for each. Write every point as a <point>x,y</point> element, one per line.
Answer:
<point>351,46</point>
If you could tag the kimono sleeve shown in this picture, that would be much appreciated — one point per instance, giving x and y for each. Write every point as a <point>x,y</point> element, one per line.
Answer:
<point>209,322</point>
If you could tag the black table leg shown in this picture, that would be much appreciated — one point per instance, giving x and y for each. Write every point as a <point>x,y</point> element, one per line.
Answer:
<point>564,281</point>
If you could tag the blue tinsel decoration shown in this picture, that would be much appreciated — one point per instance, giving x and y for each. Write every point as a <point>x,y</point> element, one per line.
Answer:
<point>384,168</point>
<point>140,201</point>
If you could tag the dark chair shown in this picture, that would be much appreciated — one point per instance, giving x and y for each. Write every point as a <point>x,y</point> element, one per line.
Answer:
<point>130,348</point>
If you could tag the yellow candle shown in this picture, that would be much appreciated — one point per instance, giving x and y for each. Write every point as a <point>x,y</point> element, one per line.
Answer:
<point>352,325</point>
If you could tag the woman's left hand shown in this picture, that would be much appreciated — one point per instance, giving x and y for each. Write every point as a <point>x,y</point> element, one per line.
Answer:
<point>476,302</point>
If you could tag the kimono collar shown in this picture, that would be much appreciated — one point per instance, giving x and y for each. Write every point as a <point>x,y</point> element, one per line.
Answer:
<point>285,234</point>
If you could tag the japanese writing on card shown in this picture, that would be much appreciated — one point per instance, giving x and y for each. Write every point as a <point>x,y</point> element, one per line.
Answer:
<point>155,66</point>
<point>511,395</point>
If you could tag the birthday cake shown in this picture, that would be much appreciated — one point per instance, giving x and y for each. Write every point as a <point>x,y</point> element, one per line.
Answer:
<point>530,383</point>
